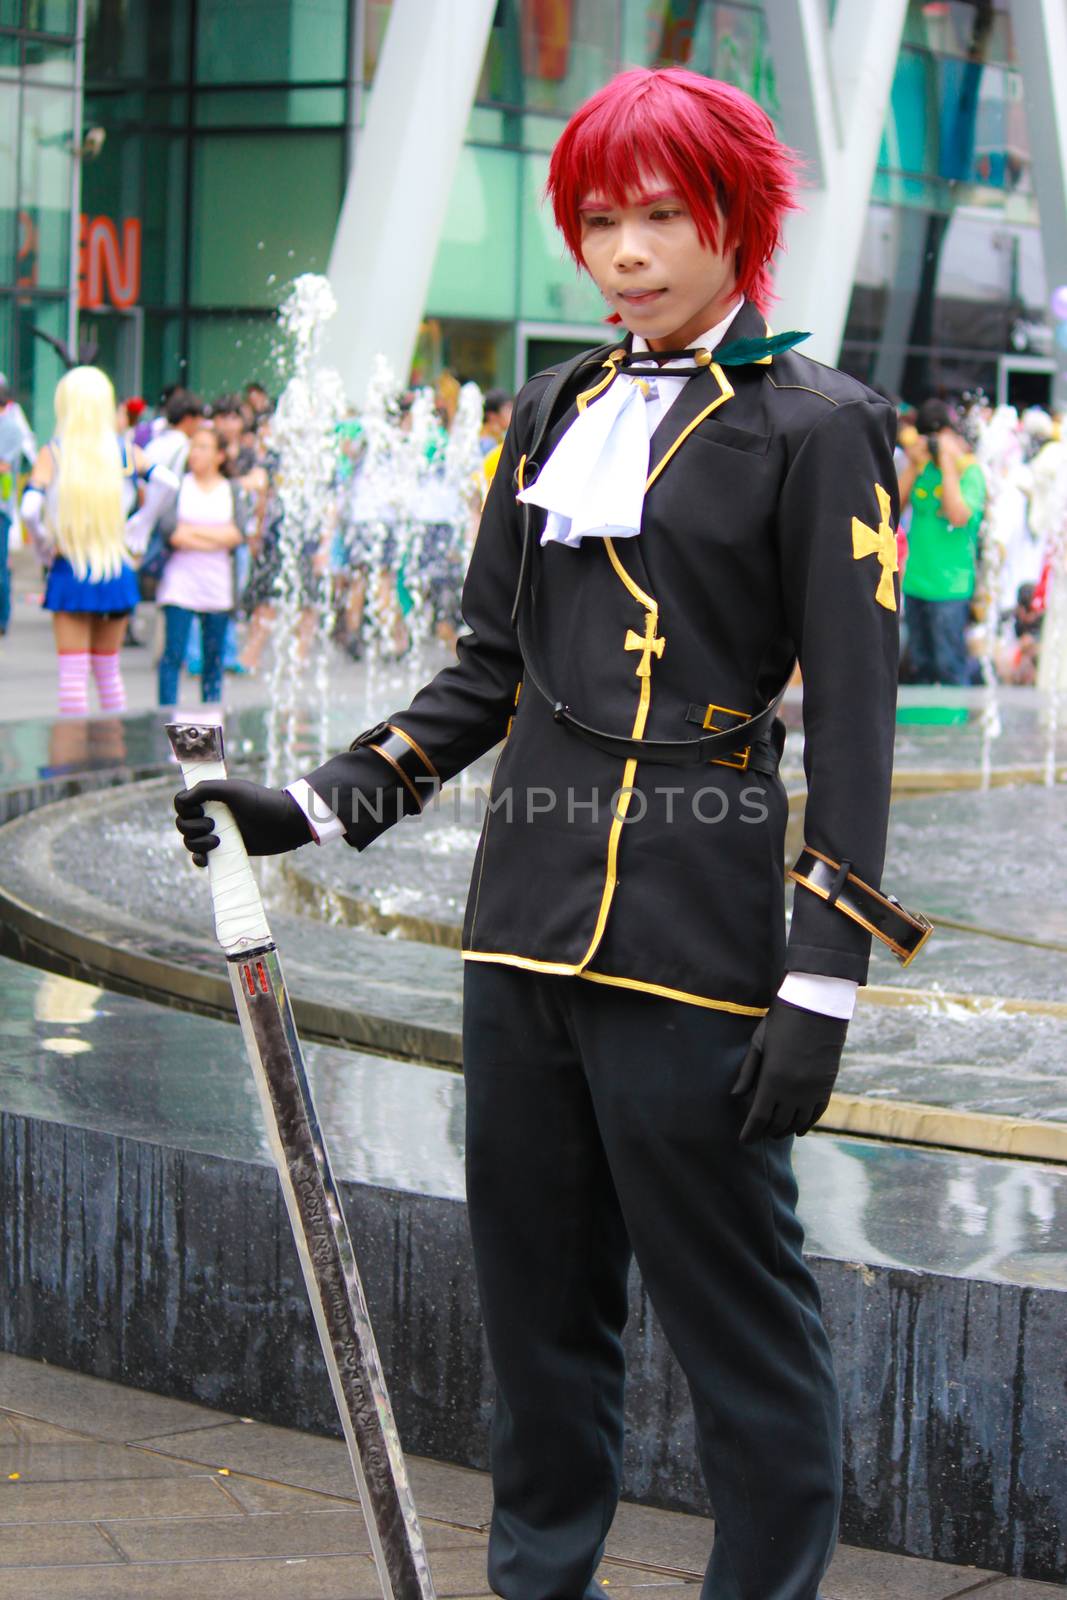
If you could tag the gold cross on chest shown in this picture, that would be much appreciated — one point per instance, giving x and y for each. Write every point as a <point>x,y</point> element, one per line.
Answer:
<point>649,646</point>
<point>883,543</point>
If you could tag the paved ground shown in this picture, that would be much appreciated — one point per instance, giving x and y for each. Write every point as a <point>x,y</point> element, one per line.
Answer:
<point>108,1493</point>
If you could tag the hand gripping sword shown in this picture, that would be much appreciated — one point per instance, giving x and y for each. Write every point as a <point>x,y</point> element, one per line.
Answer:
<point>311,1196</point>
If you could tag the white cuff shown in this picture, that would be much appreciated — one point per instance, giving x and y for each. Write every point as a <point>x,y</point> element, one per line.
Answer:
<point>324,823</point>
<point>814,991</point>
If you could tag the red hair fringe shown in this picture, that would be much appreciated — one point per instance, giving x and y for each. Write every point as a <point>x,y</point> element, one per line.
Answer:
<point>712,143</point>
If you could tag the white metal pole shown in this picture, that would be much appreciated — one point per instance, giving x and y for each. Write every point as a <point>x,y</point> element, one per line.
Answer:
<point>77,133</point>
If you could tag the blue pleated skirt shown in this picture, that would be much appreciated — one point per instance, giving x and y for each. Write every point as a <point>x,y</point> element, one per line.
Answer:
<point>65,591</point>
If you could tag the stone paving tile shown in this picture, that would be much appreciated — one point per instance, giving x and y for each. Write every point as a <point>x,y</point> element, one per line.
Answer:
<point>451,1494</point>
<point>459,1572</point>
<point>263,1451</point>
<point>301,1533</point>
<point>1017,1589</point>
<point>875,1575</point>
<point>323,1578</point>
<point>258,1494</point>
<point>27,1430</point>
<point>443,1492</point>
<point>76,1460</point>
<point>681,1542</point>
<point>197,1496</point>
<point>92,1405</point>
<point>60,1544</point>
<point>649,1586</point>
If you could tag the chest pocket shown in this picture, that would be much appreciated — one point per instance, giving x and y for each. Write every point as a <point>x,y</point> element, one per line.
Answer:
<point>722,434</point>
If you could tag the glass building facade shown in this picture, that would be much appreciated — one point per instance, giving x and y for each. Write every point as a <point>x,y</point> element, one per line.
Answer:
<point>216,138</point>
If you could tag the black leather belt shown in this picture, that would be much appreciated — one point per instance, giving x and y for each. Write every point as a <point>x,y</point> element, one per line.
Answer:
<point>905,932</point>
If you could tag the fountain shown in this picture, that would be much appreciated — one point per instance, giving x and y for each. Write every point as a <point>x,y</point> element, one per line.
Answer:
<point>935,1196</point>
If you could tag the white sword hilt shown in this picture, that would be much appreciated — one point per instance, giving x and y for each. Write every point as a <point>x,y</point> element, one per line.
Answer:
<point>240,921</point>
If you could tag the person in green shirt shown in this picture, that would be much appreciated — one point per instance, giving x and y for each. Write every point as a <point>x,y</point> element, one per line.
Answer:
<point>945,488</point>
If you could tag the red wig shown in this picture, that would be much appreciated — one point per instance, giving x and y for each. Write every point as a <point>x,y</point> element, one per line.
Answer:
<point>712,143</point>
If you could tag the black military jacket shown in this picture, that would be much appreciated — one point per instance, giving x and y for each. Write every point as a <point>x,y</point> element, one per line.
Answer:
<point>767,537</point>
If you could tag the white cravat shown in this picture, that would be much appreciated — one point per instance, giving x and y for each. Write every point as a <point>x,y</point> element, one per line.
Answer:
<point>594,480</point>
<point>593,483</point>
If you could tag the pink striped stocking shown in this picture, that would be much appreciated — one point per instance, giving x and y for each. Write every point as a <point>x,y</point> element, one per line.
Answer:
<point>74,683</point>
<point>109,684</point>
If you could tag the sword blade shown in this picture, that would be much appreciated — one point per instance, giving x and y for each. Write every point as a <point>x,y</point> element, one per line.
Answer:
<point>311,1195</point>
<point>334,1287</point>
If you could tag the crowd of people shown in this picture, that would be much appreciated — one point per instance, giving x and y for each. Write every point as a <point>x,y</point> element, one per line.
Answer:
<point>184,509</point>
<point>979,543</point>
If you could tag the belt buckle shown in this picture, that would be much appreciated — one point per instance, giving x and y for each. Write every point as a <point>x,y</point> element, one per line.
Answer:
<point>739,761</point>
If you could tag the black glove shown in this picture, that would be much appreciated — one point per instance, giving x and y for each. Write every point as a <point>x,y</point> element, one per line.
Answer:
<point>270,821</point>
<point>789,1071</point>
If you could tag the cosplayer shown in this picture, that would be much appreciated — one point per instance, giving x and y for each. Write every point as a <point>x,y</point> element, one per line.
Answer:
<point>660,544</point>
<point>81,509</point>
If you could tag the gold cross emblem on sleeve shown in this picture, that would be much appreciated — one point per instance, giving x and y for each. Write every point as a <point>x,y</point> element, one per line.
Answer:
<point>881,543</point>
<point>649,645</point>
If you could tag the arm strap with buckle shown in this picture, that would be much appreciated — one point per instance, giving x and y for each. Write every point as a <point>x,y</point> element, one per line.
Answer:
<point>670,752</point>
<point>905,932</point>
<point>406,757</point>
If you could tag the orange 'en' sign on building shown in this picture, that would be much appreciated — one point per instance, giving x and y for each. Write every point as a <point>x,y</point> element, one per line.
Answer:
<point>107,275</point>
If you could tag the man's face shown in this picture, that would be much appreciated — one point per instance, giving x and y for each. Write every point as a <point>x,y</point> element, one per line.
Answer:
<point>230,425</point>
<point>649,263</point>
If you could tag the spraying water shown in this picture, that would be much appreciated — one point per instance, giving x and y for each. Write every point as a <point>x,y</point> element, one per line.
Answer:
<point>304,434</point>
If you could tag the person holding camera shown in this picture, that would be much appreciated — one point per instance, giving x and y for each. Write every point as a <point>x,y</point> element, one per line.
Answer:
<point>945,488</point>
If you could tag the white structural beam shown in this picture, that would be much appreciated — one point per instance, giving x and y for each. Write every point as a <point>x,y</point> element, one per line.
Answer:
<point>1040,29</point>
<point>400,180</point>
<point>845,74</point>
<point>799,39</point>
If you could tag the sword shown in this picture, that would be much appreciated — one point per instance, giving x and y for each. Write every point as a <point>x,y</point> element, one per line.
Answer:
<point>310,1189</point>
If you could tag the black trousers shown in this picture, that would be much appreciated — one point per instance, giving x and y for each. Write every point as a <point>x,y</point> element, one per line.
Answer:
<point>599,1123</point>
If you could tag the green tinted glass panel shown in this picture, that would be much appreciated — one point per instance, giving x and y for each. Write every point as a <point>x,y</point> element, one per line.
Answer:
<point>38,365</point>
<point>271,41</point>
<point>264,209</point>
<point>724,41</point>
<point>567,52</point>
<point>271,108</point>
<point>9,54</point>
<point>488,126</point>
<point>225,353</point>
<point>50,16</point>
<point>951,124</point>
<point>375,21</point>
<point>48,62</point>
<point>44,187</point>
<point>541,133</point>
<point>163,363</point>
<point>552,289</point>
<point>141,176</point>
<point>474,269</point>
<point>141,39</point>
<point>9,134</point>
<point>7,338</point>
<point>10,13</point>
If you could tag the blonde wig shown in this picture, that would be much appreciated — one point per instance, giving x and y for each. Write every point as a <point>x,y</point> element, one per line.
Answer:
<point>90,525</point>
